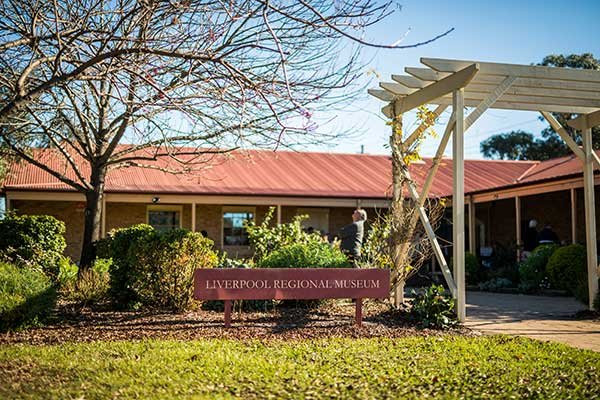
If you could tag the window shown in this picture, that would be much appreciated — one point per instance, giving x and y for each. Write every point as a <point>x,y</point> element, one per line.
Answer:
<point>164,218</point>
<point>234,233</point>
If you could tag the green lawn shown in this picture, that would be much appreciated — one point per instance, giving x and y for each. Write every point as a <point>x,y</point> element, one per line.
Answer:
<point>413,367</point>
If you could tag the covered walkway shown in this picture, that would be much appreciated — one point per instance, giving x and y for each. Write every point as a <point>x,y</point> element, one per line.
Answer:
<point>537,317</point>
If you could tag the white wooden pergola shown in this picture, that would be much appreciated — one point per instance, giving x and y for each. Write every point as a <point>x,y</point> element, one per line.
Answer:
<point>485,85</point>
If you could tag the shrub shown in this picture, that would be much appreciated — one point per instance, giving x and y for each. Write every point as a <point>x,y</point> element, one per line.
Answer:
<point>433,308</point>
<point>495,284</point>
<point>155,269</point>
<point>503,263</point>
<point>532,270</point>
<point>472,269</point>
<point>567,269</point>
<point>265,238</point>
<point>67,272</point>
<point>306,255</point>
<point>27,296</point>
<point>116,246</point>
<point>165,267</point>
<point>33,240</point>
<point>91,286</point>
<point>226,262</point>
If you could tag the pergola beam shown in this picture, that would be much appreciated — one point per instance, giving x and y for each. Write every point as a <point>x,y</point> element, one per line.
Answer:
<point>562,132</point>
<point>500,104</point>
<point>425,74</point>
<point>396,88</point>
<point>438,89</point>
<point>489,100</point>
<point>525,71</point>
<point>535,102</point>
<point>511,105</point>
<point>409,81</point>
<point>421,77</point>
<point>381,94</point>
<point>585,121</point>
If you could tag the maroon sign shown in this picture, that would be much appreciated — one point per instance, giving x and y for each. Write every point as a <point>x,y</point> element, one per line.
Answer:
<point>290,283</point>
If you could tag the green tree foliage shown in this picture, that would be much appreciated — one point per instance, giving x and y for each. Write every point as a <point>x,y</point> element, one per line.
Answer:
<point>519,145</point>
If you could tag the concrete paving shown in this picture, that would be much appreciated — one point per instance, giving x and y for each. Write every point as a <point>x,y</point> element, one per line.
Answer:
<point>537,317</point>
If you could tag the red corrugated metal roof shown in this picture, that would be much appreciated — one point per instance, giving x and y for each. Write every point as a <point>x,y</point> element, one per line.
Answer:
<point>283,173</point>
<point>554,168</point>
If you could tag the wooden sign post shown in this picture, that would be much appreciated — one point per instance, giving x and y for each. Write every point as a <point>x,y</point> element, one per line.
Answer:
<point>291,283</point>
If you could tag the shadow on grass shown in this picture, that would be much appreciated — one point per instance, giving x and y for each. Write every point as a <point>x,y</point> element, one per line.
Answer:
<point>32,312</point>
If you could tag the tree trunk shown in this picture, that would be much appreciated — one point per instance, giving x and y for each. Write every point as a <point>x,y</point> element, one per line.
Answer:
<point>93,216</point>
<point>397,211</point>
<point>399,294</point>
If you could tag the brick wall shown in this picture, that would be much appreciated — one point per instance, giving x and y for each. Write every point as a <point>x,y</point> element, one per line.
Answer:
<point>122,215</point>
<point>550,208</point>
<point>208,218</point>
<point>70,212</point>
<point>498,218</point>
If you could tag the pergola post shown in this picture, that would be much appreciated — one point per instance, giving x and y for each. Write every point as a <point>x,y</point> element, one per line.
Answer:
<point>472,226</point>
<point>458,202</point>
<point>573,216</point>
<point>193,217</point>
<point>518,226</point>
<point>590,216</point>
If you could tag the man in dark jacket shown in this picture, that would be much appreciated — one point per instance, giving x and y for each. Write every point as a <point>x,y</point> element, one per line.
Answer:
<point>352,235</point>
<point>548,236</point>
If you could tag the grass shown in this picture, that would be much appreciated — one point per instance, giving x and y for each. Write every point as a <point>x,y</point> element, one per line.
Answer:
<point>414,367</point>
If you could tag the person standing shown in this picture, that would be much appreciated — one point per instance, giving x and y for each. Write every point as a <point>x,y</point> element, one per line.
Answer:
<point>530,241</point>
<point>352,235</point>
<point>548,236</point>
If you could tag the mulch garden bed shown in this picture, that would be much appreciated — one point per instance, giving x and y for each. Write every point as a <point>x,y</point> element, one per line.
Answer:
<point>334,319</point>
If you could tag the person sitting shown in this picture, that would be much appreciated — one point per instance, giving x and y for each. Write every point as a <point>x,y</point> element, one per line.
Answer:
<point>548,236</point>
<point>352,235</point>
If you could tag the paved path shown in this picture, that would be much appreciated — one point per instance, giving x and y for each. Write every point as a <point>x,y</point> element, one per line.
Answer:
<point>538,317</point>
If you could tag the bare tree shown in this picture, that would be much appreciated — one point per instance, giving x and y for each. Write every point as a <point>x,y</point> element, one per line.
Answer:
<point>110,84</point>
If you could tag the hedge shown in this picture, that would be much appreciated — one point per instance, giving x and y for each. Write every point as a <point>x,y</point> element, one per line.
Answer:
<point>567,269</point>
<point>33,240</point>
<point>155,269</point>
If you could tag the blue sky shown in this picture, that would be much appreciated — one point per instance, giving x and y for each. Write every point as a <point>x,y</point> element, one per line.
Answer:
<point>521,32</point>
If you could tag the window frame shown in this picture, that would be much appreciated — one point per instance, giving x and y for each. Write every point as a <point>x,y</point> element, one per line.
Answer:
<point>239,209</point>
<point>165,207</point>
